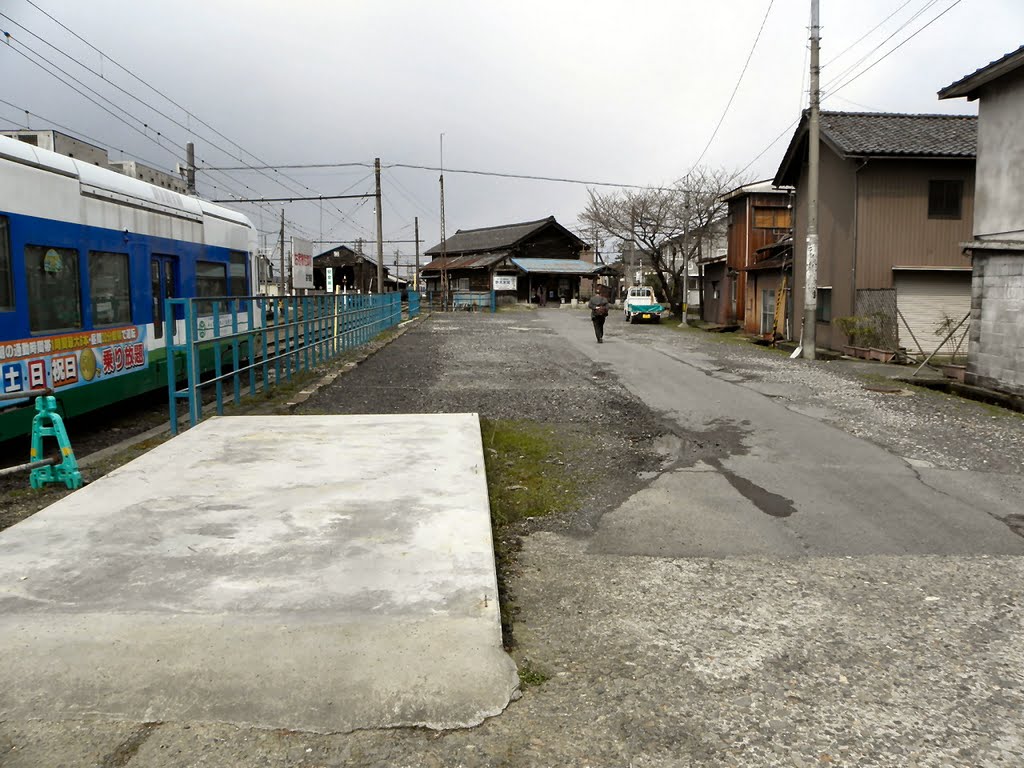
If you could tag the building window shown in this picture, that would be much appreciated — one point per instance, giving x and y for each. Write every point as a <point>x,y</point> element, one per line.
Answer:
<point>54,296</point>
<point>211,280</point>
<point>239,283</point>
<point>945,199</point>
<point>108,288</point>
<point>768,310</point>
<point>6,291</point>
<point>824,312</point>
<point>460,284</point>
<point>772,218</point>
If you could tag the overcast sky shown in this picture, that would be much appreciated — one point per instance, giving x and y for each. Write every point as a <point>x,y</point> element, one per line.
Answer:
<point>610,91</point>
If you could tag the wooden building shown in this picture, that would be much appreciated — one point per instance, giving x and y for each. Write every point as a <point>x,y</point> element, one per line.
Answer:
<point>529,261</point>
<point>353,272</point>
<point>896,199</point>
<point>759,215</point>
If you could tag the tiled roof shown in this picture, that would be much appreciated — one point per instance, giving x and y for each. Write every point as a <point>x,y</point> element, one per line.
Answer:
<point>968,85</point>
<point>883,134</point>
<point>491,238</point>
<point>473,261</point>
<point>868,133</point>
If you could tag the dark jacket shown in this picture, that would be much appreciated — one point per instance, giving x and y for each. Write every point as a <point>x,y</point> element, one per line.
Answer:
<point>596,301</point>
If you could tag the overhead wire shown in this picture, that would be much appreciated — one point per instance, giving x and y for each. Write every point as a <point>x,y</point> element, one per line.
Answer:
<point>162,95</point>
<point>735,89</point>
<point>916,15</point>
<point>893,50</point>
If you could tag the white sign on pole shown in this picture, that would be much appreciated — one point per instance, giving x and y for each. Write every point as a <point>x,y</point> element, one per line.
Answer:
<point>504,282</point>
<point>330,279</point>
<point>302,263</point>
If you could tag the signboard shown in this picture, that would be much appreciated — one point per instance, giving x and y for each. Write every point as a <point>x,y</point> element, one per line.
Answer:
<point>504,282</point>
<point>302,263</point>
<point>330,279</point>
<point>71,360</point>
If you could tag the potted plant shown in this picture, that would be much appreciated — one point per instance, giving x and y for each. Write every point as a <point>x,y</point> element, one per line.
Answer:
<point>863,337</point>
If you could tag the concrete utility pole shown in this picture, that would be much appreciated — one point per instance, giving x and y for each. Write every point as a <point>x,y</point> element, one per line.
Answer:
<point>811,271</point>
<point>632,248</point>
<point>444,245</point>
<point>416,274</point>
<point>380,231</point>
<point>280,282</point>
<point>190,168</point>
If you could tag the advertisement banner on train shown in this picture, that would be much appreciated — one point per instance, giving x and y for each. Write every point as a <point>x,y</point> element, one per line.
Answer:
<point>71,359</point>
<point>302,263</point>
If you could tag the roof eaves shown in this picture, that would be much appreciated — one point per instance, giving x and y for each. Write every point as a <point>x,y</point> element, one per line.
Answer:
<point>970,84</point>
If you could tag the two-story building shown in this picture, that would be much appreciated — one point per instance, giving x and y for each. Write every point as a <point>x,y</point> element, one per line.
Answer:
<point>759,215</point>
<point>896,199</point>
<point>528,261</point>
<point>996,348</point>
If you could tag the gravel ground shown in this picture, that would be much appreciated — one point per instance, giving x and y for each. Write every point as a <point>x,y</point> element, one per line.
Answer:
<point>873,661</point>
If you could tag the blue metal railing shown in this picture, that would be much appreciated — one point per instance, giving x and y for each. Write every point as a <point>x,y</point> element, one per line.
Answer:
<point>268,339</point>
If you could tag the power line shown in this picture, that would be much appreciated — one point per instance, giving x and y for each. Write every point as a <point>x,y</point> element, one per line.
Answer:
<point>168,99</point>
<point>917,14</point>
<point>736,88</point>
<point>848,48</point>
<point>893,50</point>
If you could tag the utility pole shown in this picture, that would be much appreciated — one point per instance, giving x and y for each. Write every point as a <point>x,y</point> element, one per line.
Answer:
<point>190,168</point>
<point>444,245</point>
<point>811,271</point>
<point>416,274</point>
<point>280,290</point>
<point>380,231</point>
<point>632,247</point>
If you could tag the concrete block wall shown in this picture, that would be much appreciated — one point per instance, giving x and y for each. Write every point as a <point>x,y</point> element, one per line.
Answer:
<point>996,346</point>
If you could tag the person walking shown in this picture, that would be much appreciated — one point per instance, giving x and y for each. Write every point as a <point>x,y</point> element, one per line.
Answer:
<point>598,305</point>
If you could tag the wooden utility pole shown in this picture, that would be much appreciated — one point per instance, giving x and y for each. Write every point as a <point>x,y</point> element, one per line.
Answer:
<point>280,282</point>
<point>380,231</point>
<point>416,274</point>
<point>811,271</point>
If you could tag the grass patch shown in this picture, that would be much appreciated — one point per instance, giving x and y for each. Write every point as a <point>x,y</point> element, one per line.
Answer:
<point>530,677</point>
<point>527,477</point>
<point>526,473</point>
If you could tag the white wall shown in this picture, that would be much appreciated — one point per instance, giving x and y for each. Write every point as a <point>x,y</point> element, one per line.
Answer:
<point>999,189</point>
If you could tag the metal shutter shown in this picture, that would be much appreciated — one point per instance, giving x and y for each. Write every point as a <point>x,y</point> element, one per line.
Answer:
<point>924,298</point>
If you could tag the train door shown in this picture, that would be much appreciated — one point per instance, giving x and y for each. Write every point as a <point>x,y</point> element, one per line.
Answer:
<point>165,279</point>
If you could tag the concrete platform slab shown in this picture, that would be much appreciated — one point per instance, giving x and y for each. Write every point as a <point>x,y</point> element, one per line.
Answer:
<point>309,573</point>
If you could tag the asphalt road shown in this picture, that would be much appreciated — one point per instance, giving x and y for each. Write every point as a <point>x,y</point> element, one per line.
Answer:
<point>782,483</point>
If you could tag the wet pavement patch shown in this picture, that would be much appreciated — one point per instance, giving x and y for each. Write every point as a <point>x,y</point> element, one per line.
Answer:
<point>770,503</point>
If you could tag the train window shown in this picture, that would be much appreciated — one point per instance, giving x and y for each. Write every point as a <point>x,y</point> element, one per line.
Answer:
<point>108,288</point>
<point>6,292</point>
<point>54,296</point>
<point>211,280</point>
<point>239,285</point>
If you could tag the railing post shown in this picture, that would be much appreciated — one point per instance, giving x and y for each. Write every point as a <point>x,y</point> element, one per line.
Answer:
<point>218,385</point>
<point>172,378</point>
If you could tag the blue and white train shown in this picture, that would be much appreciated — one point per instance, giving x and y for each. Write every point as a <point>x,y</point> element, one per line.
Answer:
<point>87,258</point>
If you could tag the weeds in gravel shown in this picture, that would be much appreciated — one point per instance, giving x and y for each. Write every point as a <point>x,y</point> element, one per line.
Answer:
<point>526,477</point>
<point>530,677</point>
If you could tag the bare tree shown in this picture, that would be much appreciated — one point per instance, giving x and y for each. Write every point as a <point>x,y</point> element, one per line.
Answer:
<point>670,226</point>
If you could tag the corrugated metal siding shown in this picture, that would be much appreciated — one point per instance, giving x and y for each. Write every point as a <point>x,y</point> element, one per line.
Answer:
<point>893,228</point>
<point>924,298</point>
<point>835,228</point>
